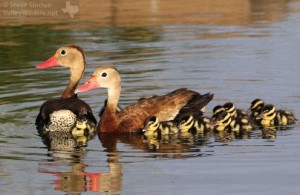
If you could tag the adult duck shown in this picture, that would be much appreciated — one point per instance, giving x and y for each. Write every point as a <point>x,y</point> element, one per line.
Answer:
<point>66,112</point>
<point>131,118</point>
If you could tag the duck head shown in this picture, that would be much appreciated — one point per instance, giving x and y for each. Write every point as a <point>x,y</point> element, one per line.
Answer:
<point>186,122</point>
<point>222,121</point>
<point>230,108</point>
<point>256,106</point>
<point>104,77</point>
<point>68,56</point>
<point>151,125</point>
<point>268,113</point>
<point>216,111</point>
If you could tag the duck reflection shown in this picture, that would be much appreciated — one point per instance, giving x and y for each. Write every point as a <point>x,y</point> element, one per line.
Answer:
<point>76,179</point>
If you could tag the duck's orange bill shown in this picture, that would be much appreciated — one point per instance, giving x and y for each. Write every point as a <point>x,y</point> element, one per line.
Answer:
<point>88,85</point>
<point>48,63</point>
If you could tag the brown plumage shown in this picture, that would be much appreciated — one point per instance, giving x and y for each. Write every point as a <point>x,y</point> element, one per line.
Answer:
<point>131,118</point>
<point>62,113</point>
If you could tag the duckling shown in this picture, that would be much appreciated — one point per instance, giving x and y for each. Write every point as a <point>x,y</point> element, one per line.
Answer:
<point>242,124</point>
<point>285,117</point>
<point>152,126</point>
<point>216,110</point>
<point>267,116</point>
<point>222,122</point>
<point>255,109</point>
<point>270,117</point>
<point>189,123</point>
<point>231,109</point>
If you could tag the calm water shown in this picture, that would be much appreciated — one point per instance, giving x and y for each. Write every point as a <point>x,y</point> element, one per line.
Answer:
<point>239,51</point>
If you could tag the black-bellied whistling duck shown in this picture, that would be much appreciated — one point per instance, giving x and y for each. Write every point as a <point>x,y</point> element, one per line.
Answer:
<point>131,118</point>
<point>66,112</point>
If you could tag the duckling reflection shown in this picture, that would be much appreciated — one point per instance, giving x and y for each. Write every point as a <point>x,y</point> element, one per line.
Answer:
<point>169,146</point>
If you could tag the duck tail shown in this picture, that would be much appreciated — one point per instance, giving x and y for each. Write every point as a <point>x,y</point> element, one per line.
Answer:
<point>196,105</point>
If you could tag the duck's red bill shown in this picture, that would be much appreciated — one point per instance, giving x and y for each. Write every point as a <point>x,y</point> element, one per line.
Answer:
<point>88,85</point>
<point>48,63</point>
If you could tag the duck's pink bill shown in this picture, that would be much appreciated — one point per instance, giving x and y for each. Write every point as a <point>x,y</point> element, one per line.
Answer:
<point>88,85</point>
<point>48,63</point>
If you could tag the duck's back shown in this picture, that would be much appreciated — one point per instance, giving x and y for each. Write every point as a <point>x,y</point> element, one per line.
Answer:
<point>165,107</point>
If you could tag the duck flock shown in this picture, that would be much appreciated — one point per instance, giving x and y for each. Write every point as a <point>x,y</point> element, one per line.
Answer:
<point>178,113</point>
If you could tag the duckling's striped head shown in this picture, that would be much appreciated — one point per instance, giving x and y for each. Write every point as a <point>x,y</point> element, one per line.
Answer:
<point>186,122</point>
<point>230,108</point>
<point>151,124</point>
<point>268,112</point>
<point>222,121</point>
<point>257,105</point>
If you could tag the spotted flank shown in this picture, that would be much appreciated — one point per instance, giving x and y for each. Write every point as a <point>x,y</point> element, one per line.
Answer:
<point>61,120</point>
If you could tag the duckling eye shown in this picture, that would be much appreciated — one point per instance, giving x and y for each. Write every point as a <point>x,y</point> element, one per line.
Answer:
<point>104,74</point>
<point>63,52</point>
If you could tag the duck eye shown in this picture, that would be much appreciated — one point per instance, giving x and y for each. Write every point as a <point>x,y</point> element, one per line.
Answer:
<point>104,74</point>
<point>63,52</point>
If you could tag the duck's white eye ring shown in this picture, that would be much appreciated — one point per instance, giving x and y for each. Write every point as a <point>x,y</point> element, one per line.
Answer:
<point>63,52</point>
<point>104,74</point>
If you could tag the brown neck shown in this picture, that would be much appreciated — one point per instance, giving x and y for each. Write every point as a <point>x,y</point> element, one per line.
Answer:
<point>76,74</point>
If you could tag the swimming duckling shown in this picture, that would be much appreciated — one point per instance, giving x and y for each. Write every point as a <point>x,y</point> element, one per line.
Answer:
<point>189,123</point>
<point>285,117</point>
<point>255,109</point>
<point>217,110</point>
<point>222,121</point>
<point>152,126</point>
<point>270,117</point>
<point>231,109</point>
<point>242,124</point>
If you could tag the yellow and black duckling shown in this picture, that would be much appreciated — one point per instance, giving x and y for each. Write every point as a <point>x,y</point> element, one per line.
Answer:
<point>222,121</point>
<point>217,110</point>
<point>233,111</point>
<point>269,117</point>
<point>154,127</point>
<point>192,124</point>
<point>255,109</point>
